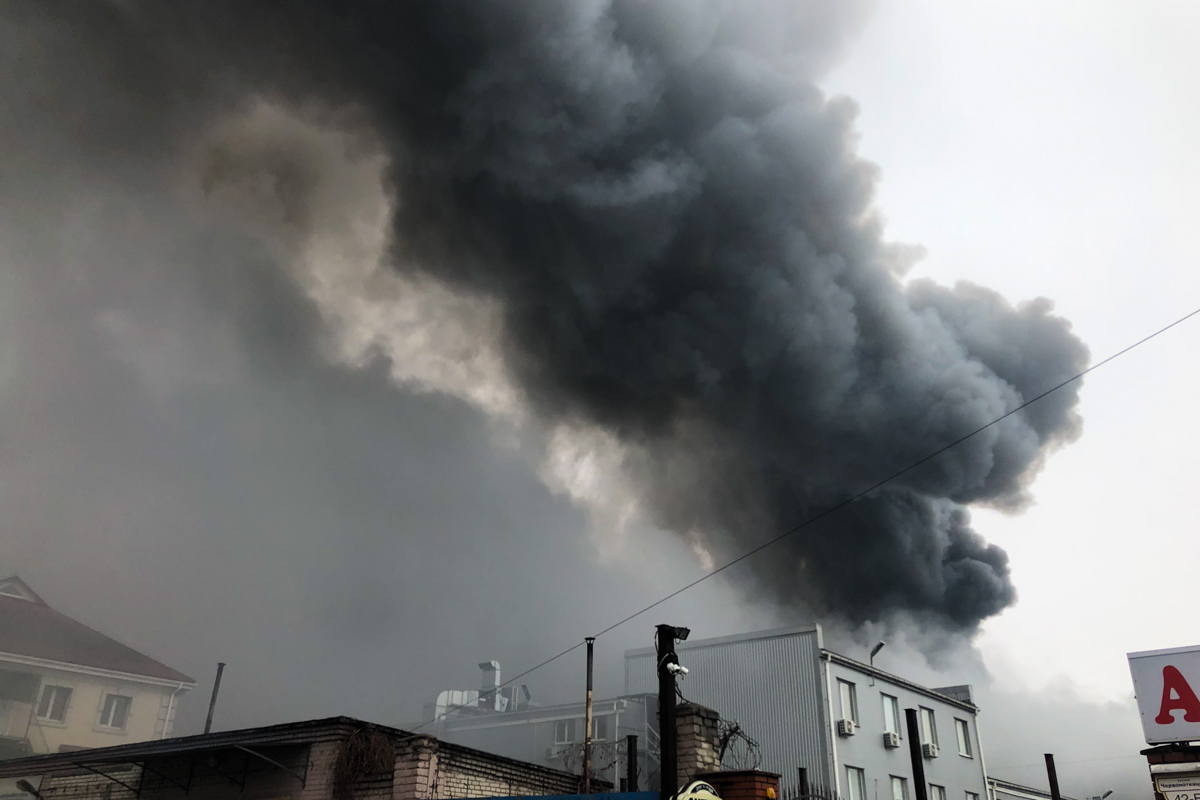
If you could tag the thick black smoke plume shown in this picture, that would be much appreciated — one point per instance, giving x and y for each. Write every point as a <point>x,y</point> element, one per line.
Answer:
<point>673,223</point>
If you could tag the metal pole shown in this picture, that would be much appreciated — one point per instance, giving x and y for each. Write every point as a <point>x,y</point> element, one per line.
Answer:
<point>1052,774</point>
<point>914,752</point>
<point>803,783</point>
<point>587,722</point>
<point>664,646</point>
<point>212,703</point>
<point>631,763</point>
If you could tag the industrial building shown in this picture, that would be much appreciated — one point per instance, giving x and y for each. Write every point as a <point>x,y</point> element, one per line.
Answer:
<point>841,720</point>
<point>503,720</point>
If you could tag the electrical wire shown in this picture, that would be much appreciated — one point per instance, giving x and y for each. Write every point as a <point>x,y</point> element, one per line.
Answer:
<point>827,512</point>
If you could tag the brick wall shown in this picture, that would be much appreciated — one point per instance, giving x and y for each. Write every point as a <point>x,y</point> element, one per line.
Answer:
<point>743,784</point>
<point>424,769</point>
<point>697,741</point>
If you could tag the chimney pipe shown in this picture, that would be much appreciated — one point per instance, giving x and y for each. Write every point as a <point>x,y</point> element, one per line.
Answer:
<point>1052,774</point>
<point>631,763</point>
<point>914,752</point>
<point>212,702</point>
<point>489,689</point>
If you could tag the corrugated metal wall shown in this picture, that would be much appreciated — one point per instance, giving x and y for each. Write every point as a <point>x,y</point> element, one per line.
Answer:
<point>769,682</point>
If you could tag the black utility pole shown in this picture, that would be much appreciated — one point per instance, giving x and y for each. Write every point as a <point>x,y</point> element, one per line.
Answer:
<point>587,723</point>
<point>631,763</point>
<point>914,751</point>
<point>1052,774</point>
<point>668,666</point>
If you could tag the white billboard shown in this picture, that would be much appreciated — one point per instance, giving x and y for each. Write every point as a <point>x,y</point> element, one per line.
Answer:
<point>1166,683</point>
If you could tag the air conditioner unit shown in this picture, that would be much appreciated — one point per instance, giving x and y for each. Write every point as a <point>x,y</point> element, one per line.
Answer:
<point>891,739</point>
<point>845,727</point>
<point>929,750</point>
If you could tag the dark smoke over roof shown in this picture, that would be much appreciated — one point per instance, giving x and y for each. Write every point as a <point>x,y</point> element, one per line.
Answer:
<point>669,219</point>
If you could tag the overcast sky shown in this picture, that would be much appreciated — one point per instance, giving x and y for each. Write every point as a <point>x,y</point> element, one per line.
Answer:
<point>1049,149</point>
<point>185,466</point>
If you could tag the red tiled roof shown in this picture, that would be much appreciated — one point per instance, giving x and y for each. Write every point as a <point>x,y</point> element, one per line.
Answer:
<point>34,629</point>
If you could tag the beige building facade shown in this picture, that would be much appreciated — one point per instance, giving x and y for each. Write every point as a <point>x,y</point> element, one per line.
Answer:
<point>64,686</point>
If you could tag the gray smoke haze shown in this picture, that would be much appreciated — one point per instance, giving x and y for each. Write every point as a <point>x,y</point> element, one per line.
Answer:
<point>637,237</point>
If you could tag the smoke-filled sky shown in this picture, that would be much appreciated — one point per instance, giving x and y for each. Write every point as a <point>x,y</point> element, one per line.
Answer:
<point>355,343</point>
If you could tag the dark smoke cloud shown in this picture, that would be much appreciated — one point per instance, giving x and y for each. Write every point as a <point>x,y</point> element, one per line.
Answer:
<point>673,223</point>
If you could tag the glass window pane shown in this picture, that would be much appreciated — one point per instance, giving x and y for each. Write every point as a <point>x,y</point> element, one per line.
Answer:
<point>849,700</point>
<point>120,711</point>
<point>891,714</point>
<point>856,783</point>
<point>58,708</point>
<point>900,789</point>
<point>928,727</point>
<point>964,737</point>
<point>44,701</point>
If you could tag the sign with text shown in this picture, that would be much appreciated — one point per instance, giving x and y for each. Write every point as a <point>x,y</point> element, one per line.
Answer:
<point>1166,683</point>
<point>1179,788</point>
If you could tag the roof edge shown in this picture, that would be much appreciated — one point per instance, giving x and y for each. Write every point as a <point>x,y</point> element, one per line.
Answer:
<point>771,633</point>
<point>875,672</point>
<point>48,663</point>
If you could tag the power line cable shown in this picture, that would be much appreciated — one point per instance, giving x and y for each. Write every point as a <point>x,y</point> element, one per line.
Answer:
<point>828,511</point>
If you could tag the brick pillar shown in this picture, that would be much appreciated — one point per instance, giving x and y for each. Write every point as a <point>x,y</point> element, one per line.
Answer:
<point>743,784</point>
<point>698,740</point>
<point>415,774</point>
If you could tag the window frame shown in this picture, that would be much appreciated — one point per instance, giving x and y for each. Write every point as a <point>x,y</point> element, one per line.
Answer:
<point>856,778</point>
<point>568,727</point>
<point>104,706</point>
<point>972,795</point>
<point>903,786</point>
<point>843,685</point>
<point>890,701</point>
<point>55,689</point>
<point>937,792</point>
<point>962,733</point>
<point>596,722</point>
<point>928,735</point>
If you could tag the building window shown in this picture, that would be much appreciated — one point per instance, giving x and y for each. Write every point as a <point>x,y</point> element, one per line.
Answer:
<point>599,728</point>
<point>928,727</point>
<point>115,711</point>
<point>900,789</point>
<point>52,705</point>
<point>849,701</point>
<point>856,784</point>
<point>937,792</point>
<point>972,796</point>
<point>891,715</point>
<point>964,737</point>
<point>564,731</point>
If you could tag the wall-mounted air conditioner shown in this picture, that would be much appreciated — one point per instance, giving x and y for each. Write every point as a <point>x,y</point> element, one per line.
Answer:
<point>929,750</point>
<point>845,727</point>
<point>891,739</point>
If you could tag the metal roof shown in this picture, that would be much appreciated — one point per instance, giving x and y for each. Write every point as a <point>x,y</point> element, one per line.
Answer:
<point>289,733</point>
<point>1016,788</point>
<point>31,629</point>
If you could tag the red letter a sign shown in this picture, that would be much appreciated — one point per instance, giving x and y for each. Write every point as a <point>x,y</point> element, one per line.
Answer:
<point>1184,698</point>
